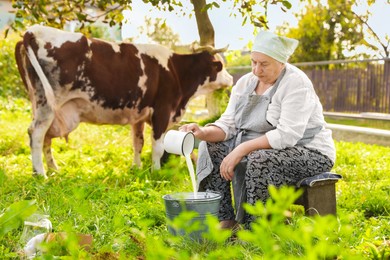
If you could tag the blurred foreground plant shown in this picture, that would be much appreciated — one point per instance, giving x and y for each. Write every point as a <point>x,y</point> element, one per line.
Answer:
<point>15,214</point>
<point>276,233</point>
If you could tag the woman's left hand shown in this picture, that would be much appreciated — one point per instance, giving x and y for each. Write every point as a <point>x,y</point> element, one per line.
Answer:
<point>234,157</point>
<point>229,163</point>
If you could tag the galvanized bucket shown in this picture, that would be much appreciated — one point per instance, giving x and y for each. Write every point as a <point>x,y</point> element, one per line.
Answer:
<point>205,203</point>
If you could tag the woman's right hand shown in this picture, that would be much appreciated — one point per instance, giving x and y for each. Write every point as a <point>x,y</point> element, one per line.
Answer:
<point>208,133</point>
<point>194,128</point>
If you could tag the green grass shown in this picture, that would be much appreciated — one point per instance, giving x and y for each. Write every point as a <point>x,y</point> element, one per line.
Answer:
<point>371,123</point>
<point>97,191</point>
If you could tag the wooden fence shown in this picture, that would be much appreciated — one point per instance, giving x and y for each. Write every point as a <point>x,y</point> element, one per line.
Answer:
<point>346,86</point>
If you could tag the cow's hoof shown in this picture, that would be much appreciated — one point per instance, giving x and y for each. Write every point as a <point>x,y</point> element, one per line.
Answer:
<point>40,176</point>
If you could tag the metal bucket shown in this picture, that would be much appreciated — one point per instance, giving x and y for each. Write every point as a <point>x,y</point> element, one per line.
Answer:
<point>206,203</point>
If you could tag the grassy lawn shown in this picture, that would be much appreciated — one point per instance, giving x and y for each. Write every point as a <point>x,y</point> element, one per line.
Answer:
<point>97,191</point>
<point>380,124</point>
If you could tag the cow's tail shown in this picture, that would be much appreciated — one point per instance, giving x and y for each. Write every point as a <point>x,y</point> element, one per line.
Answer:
<point>21,61</point>
<point>49,93</point>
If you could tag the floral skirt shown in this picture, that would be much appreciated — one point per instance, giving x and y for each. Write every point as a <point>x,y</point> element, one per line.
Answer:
<point>263,168</point>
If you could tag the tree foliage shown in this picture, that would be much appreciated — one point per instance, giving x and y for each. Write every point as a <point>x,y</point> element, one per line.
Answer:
<point>160,32</point>
<point>57,13</point>
<point>326,31</point>
<point>332,30</point>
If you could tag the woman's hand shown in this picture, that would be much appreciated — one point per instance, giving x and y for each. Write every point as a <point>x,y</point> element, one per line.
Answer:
<point>230,162</point>
<point>232,159</point>
<point>206,133</point>
<point>194,128</point>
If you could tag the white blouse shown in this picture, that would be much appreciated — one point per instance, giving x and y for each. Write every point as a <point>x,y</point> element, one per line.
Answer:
<point>294,107</point>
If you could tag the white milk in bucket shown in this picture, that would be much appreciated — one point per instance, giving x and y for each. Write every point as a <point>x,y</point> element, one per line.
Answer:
<point>206,203</point>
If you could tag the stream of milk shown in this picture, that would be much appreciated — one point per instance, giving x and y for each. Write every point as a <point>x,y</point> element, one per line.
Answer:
<point>192,174</point>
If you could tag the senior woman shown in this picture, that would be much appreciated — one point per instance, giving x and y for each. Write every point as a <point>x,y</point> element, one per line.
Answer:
<point>272,132</point>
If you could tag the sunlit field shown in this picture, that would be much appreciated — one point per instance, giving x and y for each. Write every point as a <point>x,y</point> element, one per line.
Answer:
<point>96,191</point>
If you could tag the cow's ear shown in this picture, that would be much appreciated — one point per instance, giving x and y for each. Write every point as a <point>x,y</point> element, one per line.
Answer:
<point>218,65</point>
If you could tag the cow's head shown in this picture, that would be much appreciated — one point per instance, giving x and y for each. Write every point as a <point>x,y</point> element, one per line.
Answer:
<point>219,77</point>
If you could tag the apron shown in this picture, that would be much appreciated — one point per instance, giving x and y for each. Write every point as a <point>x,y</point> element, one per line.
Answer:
<point>251,122</point>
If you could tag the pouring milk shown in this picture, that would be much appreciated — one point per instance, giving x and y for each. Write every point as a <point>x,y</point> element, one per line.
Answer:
<point>182,143</point>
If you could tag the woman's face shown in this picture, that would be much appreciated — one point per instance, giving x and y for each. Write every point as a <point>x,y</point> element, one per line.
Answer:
<point>265,68</point>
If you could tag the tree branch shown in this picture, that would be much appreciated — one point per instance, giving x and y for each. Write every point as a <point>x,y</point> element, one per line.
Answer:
<point>373,33</point>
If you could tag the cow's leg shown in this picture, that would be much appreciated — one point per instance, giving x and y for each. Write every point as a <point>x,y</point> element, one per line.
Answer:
<point>157,152</point>
<point>164,158</point>
<point>48,154</point>
<point>138,142</point>
<point>43,119</point>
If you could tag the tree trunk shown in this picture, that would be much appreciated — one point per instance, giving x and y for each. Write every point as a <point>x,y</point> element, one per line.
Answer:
<point>206,35</point>
<point>205,27</point>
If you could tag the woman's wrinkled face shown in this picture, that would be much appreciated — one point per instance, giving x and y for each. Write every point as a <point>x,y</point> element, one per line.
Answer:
<point>265,68</point>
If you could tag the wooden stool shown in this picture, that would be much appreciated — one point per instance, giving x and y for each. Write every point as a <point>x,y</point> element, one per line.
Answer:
<point>319,194</point>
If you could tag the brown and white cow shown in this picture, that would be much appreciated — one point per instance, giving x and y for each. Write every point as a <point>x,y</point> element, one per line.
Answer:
<point>72,79</point>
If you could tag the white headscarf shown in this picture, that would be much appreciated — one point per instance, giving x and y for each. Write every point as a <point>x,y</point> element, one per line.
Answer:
<point>278,47</point>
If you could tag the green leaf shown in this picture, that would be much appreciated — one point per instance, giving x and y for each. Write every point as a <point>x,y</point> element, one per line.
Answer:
<point>287,4</point>
<point>6,33</point>
<point>2,177</point>
<point>15,214</point>
<point>81,16</point>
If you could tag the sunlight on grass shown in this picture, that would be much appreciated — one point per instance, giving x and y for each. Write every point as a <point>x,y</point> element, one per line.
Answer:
<point>97,191</point>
